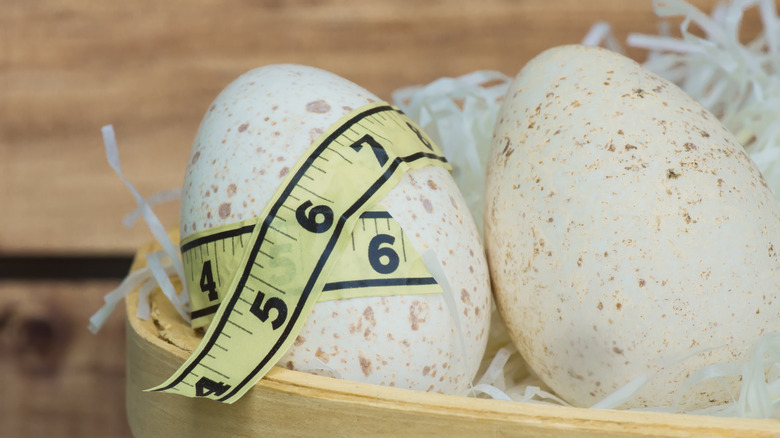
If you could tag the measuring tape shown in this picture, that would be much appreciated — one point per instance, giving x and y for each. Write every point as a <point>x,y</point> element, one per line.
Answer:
<point>379,261</point>
<point>288,255</point>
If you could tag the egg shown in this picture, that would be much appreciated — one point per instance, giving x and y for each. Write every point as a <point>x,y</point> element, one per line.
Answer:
<point>628,234</point>
<point>251,136</point>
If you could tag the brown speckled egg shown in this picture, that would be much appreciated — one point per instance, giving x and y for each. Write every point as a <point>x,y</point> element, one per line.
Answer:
<point>250,137</point>
<point>626,231</point>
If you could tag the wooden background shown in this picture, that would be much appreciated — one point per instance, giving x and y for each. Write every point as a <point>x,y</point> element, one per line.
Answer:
<point>151,68</point>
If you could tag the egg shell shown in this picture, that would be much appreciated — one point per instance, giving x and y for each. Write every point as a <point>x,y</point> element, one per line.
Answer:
<point>626,230</point>
<point>250,137</point>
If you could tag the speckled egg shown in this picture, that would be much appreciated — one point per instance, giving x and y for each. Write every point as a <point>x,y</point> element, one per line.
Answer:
<point>249,139</point>
<point>627,231</point>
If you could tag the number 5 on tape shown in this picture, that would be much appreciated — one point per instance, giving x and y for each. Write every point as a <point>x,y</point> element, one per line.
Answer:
<point>308,222</point>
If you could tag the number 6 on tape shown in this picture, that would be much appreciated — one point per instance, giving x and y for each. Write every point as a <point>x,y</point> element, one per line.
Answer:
<point>308,222</point>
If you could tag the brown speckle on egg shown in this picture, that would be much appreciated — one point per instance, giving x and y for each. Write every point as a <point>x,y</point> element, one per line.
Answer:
<point>418,312</point>
<point>284,171</point>
<point>318,106</point>
<point>428,205</point>
<point>321,355</point>
<point>368,314</point>
<point>314,133</point>
<point>231,190</point>
<point>224,210</point>
<point>354,328</point>
<point>365,365</point>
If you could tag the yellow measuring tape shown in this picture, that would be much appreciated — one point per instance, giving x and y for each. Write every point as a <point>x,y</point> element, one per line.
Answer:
<point>288,256</point>
<point>379,261</point>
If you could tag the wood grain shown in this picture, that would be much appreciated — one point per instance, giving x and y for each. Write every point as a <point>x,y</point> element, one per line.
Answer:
<point>151,68</point>
<point>290,403</point>
<point>56,378</point>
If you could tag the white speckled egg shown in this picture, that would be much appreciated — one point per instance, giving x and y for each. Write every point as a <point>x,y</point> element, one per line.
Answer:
<point>626,231</point>
<point>250,137</point>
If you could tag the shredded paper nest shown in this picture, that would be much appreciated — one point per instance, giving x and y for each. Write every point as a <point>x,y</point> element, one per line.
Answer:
<point>738,82</point>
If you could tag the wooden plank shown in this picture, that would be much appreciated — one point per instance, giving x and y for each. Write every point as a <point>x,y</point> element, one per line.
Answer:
<point>56,378</point>
<point>151,68</point>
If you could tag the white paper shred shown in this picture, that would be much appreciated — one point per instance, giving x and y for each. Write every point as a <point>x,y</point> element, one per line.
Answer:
<point>112,298</point>
<point>157,198</point>
<point>491,391</point>
<point>601,35</point>
<point>179,301</point>
<point>129,284</point>
<point>494,374</point>
<point>459,115</point>
<point>144,310</point>
<point>623,394</point>
<point>322,369</point>
<point>738,82</point>
<point>157,229</point>
<point>432,262</point>
<point>158,272</point>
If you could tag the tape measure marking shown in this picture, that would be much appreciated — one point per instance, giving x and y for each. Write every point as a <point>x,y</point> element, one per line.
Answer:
<point>268,305</point>
<point>217,236</point>
<point>338,281</point>
<point>309,284</point>
<point>378,283</point>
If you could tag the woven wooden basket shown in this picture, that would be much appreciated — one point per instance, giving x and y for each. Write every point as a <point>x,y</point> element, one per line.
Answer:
<point>289,403</point>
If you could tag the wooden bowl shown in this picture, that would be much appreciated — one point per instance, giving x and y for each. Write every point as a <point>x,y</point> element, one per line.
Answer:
<point>290,403</point>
